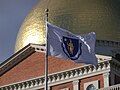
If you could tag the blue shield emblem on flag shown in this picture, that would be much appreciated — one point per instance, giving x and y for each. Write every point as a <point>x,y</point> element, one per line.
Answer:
<point>71,47</point>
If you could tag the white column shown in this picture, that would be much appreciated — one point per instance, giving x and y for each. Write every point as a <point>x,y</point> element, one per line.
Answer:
<point>112,78</point>
<point>106,79</point>
<point>76,85</point>
<point>48,87</point>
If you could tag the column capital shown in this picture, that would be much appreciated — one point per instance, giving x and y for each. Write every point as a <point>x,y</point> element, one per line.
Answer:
<point>106,74</point>
<point>75,82</point>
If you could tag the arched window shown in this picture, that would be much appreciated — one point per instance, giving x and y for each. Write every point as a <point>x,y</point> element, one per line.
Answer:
<point>91,87</point>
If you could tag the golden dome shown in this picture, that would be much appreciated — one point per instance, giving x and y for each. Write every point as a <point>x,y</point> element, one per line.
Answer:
<point>77,16</point>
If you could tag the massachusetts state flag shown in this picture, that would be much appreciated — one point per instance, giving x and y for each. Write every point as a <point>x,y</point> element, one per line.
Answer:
<point>64,44</point>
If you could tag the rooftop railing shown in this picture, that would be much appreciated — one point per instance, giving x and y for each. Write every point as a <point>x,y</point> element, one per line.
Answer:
<point>113,87</point>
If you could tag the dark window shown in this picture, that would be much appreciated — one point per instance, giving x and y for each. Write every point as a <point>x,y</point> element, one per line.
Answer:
<point>91,87</point>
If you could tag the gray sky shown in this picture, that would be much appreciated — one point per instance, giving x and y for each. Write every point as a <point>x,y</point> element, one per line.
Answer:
<point>12,14</point>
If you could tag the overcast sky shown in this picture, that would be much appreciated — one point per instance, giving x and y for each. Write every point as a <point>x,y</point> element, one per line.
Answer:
<point>12,14</point>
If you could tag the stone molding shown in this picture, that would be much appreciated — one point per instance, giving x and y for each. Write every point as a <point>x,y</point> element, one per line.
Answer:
<point>59,77</point>
<point>19,56</point>
<point>107,43</point>
<point>30,48</point>
<point>64,76</point>
<point>95,83</point>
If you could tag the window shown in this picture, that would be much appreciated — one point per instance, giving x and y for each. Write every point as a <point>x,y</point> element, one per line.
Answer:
<point>91,87</point>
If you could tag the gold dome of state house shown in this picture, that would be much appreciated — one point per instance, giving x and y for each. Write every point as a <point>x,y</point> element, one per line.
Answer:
<point>77,16</point>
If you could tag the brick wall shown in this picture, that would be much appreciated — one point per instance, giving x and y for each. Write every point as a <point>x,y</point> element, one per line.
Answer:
<point>81,84</point>
<point>98,77</point>
<point>62,86</point>
<point>33,66</point>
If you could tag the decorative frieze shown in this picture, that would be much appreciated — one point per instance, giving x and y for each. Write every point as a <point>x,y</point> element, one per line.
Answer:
<point>65,76</point>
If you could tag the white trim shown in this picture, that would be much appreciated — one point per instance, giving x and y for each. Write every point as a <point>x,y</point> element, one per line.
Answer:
<point>19,56</point>
<point>106,79</point>
<point>113,87</point>
<point>95,83</point>
<point>76,85</point>
<point>64,76</point>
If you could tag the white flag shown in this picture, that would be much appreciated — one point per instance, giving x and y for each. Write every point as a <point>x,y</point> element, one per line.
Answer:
<point>64,44</point>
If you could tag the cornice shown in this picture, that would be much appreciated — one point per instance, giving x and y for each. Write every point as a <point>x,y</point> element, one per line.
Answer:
<point>20,56</point>
<point>108,48</point>
<point>101,58</point>
<point>31,48</point>
<point>108,43</point>
<point>65,76</point>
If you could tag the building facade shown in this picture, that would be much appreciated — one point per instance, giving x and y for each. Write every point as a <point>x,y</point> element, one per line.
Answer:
<point>25,70</point>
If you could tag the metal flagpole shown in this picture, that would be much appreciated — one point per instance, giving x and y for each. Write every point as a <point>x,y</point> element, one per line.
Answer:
<point>46,57</point>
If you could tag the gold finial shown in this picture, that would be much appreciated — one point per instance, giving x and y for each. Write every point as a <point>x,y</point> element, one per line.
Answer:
<point>47,10</point>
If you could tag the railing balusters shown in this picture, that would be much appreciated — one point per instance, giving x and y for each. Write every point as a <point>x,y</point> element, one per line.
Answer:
<point>113,87</point>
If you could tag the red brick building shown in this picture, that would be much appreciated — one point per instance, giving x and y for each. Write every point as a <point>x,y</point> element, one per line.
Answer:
<point>25,70</point>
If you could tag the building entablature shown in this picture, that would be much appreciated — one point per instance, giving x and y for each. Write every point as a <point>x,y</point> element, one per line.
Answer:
<point>108,48</point>
<point>31,48</point>
<point>66,76</point>
<point>108,43</point>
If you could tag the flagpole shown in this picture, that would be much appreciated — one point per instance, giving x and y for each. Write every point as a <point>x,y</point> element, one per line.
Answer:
<point>46,57</point>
